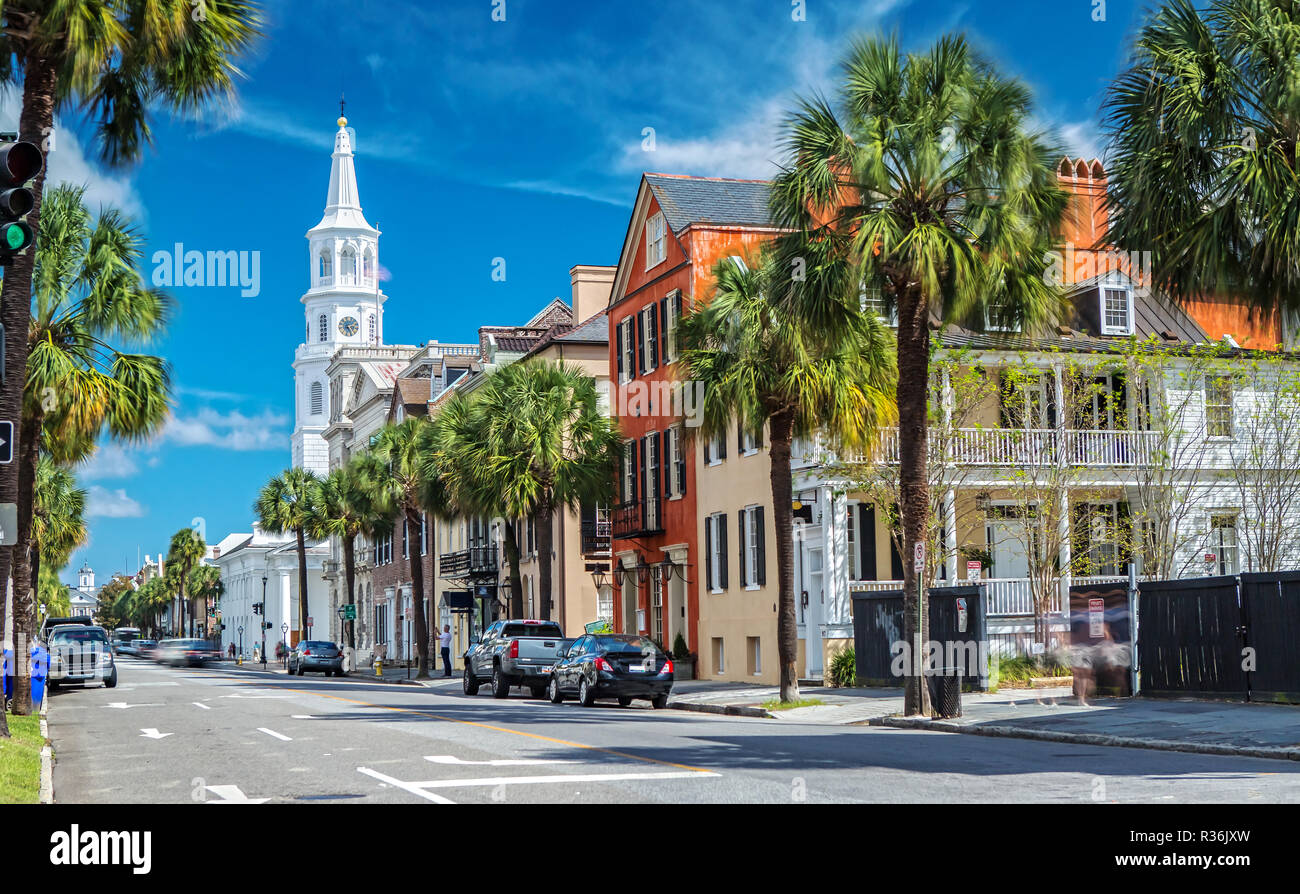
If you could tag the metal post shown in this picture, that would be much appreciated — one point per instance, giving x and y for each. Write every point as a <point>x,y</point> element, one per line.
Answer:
<point>264,621</point>
<point>1133,624</point>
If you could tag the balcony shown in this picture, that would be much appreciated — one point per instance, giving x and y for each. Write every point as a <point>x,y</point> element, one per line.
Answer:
<point>596,534</point>
<point>640,518</point>
<point>1027,448</point>
<point>477,561</point>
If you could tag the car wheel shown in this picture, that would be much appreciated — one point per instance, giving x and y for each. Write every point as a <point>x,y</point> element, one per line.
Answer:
<point>470,684</point>
<point>301,670</point>
<point>659,701</point>
<point>554,687</point>
<point>624,701</point>
<point>500,685</point>
<point>538,691</point>
<point>111,682</point>
<point>586,695</point>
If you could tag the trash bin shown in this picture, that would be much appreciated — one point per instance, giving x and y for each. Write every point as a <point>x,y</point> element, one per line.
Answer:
<point>40,670</point>
<point>945,692</point>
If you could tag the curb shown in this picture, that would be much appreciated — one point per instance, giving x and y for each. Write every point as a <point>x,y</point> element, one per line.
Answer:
<point>47,757</point>
<point>1013,732</point>
<point>733,710</point>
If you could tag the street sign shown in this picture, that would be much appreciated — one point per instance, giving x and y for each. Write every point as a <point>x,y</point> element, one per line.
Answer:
<point>350,612</point>
<point>973,570</point>
<point>1096,618</point>
<point>8,524</point>
<point>311,622</point>
<point>919,564</point>
<point>6,443</point>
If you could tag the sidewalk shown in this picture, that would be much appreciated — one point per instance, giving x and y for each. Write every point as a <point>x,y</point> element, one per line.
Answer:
<point>1202,727</point>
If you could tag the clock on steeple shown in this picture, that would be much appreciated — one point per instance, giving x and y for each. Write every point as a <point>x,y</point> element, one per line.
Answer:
<point>349,326</point>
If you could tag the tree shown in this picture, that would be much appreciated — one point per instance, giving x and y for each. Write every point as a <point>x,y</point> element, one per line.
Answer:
<point>1203,150</point>
<point>762,364</point>
<point>346,508</point>
<point>151,600</point>
<point>205,583</point>
<point>184,553</point>
<point>287,504</point>
<point>952,205</point>
<point>401,488</point>
<point>117,61</point>
<point>115,604</point>
<point>58,517</point>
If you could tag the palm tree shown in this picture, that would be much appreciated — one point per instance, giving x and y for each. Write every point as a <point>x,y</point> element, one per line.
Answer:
<point>345,509</point>
<point>401,487</point>
<point>151,600</point>
<point>951,205</point>
<point>543,445</point>
<point>87,296</point>
<point>205,583</point>
<point>117,61</point>
<point>183,554</point>
<point>287,504</point>
<point>764,366</point>
<point>1203,150</point>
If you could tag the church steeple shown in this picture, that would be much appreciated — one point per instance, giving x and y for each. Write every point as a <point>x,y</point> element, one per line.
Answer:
<point>343,201</point>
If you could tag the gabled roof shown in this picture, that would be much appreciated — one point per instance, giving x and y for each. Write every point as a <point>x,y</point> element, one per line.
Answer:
<point>685,200</point>
<point>558,311</point>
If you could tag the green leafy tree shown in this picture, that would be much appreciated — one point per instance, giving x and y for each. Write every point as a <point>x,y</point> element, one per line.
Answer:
<point>205,584</point>
<point>183,554</point>
<point>764,365</point>
<point>287,504</point>
<point>951,202</point>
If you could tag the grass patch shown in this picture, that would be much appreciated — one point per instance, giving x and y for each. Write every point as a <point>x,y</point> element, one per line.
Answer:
<point>1024,668</point>
<point>778,705</point>
<point>20,761</point>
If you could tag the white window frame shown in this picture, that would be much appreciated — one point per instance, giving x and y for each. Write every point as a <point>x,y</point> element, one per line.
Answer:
<point>1220,547</point>
<point>1103,293</point>
<point>752,537</point>
<point>629,471</point>
<point>1210,392</point>
<point>749,445</point>
<point>649,356</point>
<point>873,301</point>
<point>851,539</point>
<point>715,449</point>
<point>656,241</point>
<point>758,654</point>
<point>669,335</point>
<point>629,351</point>
<point>317,399</point>
<point>715,554</point>
<point>674,457</point>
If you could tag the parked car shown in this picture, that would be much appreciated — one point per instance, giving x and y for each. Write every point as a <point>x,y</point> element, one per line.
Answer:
<point>80,654</point>
<point>611,665</point>
<point>145,648</point>
<point>316,655</point>
<point>186,652</point>
<point>513,653</point>
<point>49,624</point>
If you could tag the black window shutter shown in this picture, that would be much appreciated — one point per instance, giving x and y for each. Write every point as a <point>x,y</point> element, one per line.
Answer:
<point>895,557</point>
<point>709,575</point>
<point>664,458</point>
<point>708,451</point>
<point>740,538</point>
<point>618,338</point>
<point>866,542</point>
<point>653,360</point>
<point>761,530</point>
<point>681,462</point>
<point>740,438</point>
<point>663,330</point>
<point>641,479</point>
<point>722,446</point>
<point>640,359</point>
<point>722,551</point>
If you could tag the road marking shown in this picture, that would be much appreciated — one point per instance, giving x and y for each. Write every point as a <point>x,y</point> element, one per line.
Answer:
<point>405,786</point>
<point>152,733</point>
<point>271,732</point>
<point>253,696</point>
<point>521,762</point>
<point>573,777</point>
<point>305,717</point>
<point>504,729</point>
<point>231,794</point>
<point>124,705</point>
<point>201,705</point>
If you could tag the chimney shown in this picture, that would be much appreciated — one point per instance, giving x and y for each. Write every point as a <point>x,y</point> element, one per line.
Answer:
<point>1086,220</point>
<point>591,289</point>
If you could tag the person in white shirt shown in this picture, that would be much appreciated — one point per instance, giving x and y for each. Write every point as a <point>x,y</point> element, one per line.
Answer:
<point>445,642</point>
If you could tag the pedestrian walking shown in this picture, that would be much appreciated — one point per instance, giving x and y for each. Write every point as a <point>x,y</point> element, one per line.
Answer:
<point>445,642</point>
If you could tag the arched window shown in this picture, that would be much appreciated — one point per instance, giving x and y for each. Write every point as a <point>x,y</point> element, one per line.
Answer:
<point>326,264</point>
<point>370,328</point>
<point>317,399</point>
<point>348,266</point>
<point>368,266</point>
<point>324,328</point>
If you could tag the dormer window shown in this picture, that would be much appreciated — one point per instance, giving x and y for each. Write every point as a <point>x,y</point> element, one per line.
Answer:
<point>873,301</point>
<point>656,241</point>
<point>1116,311</point>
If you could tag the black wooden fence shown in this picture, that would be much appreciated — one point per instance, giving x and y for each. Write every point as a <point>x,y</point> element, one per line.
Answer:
<point>878,625</point>
<point>1221,637</point>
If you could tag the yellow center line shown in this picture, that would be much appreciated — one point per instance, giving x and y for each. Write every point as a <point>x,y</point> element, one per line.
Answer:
<point>505,729</point>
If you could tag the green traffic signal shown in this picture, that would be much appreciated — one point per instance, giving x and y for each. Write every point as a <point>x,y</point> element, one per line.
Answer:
<point>15,236</point>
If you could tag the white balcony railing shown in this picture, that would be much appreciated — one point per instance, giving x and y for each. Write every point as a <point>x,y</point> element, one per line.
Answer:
<point>1004,597</point>
<point>1016,447</point>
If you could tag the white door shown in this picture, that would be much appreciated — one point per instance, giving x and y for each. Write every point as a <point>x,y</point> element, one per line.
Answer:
<point>1007,544</point>
<point>813,613</point>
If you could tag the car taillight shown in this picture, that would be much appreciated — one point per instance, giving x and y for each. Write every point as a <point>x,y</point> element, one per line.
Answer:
<point>602,664</point>
<point>514,648</point>
<point>667,668</point>
<point>306,652</point>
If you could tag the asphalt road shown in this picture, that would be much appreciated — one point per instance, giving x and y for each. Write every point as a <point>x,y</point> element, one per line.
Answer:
<point>224,734</point>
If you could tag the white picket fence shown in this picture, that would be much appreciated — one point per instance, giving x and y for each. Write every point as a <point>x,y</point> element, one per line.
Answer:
<point>1005,597</point>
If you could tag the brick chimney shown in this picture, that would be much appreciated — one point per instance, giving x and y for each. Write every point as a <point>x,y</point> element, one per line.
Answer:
<point>1086,222</point>
<point>591,288</point>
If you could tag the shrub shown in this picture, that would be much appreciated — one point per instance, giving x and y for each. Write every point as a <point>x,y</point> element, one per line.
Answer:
<point>679,647</point>
<point>844,667</point>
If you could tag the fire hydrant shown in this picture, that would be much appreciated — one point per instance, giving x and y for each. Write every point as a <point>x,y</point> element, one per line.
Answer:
<point>379,667</point>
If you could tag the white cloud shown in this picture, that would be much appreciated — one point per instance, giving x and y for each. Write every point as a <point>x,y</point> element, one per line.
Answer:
<point>208,394</point>
<point>104,503</point>
<point>228,431</point>
<point>108,461</point>
<point>747,148</point>
<point>1082,139</point>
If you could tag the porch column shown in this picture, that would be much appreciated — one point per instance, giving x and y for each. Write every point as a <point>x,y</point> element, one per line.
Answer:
<point>950,535</point>
<point>1063,534</point>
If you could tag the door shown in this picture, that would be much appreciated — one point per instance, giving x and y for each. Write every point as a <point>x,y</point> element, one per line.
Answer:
<point>1007,539</point>
<point>812,613</point>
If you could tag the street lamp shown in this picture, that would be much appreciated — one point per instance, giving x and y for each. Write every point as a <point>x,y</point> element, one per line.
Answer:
<point>264,621</point>
<point>241,643</point>
<point>284,629</point>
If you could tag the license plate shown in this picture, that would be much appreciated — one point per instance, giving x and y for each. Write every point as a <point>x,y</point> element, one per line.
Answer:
<point>636,668</point>
<point>546,670</point>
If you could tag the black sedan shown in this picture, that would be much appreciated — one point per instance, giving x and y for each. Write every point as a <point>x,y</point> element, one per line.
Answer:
<point>609,665</point>
<point>316,655</point>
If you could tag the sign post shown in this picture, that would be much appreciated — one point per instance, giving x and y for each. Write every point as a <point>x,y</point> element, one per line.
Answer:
<point>918,565</point>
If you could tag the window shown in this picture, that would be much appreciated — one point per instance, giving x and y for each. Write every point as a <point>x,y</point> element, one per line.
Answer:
<point>1218,406</point>
<point>1116,312</point>
<point>1223,543</point>
<point>381,623</point>
<point>626,351</point>
<point>383,549</point>
<point>368,266</point>
<point>657,603</point>
<point>753,547</point>
<point>629,471</point>
<point>530,536</point>
<point>719,656</point>
<point>676,463</point>
<point>348,266</point>
<point>370,328</point>
<point>672,314</point>
<point>754,655</point>
<point>656,245</point>
<point>649,329</point>
<point>873,301</point>
<point>326,264</point>
<point>851,540</point>
<point>715,450</point>
<point>324,322</point>
<point>650,458</point>
<point>715,551</point>
<point>748,441</point>
<point>406,536</point>
<point>317,399</point>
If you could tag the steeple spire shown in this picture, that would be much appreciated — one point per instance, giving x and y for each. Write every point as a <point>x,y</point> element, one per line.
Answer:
<point>343,202</point>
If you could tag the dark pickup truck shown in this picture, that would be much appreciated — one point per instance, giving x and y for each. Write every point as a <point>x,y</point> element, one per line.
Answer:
<point>514,653</point>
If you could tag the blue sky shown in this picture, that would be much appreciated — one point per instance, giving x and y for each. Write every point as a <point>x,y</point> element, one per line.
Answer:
<point>476,139</point>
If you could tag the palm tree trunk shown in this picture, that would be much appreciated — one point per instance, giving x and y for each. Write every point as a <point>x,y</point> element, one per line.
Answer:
<point>24,594</point>
<point>40,86</point>
<point>417,593</point>
<point>914,483</point>
<point>512,561</point>
<point>787,632</point>
<point>303,613</point>
<point>545,537</point>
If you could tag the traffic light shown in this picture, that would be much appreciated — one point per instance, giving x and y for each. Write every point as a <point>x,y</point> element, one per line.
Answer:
<point>19,163</point>
<point>257,608</point>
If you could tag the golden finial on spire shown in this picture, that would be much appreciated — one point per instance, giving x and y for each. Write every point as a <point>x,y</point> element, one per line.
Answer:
<point>343,122</point>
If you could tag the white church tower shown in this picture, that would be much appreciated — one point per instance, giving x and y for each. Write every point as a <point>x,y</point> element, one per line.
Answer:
<point>344,306</point>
